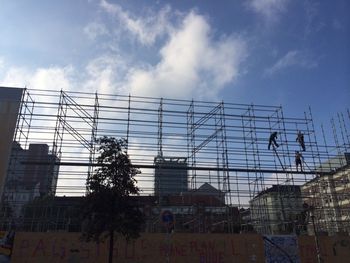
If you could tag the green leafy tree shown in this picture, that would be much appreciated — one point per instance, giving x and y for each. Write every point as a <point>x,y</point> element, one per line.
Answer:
<point>108,208</point>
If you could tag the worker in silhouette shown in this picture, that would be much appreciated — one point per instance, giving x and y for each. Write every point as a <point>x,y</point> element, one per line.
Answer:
<point>272,140</point>
<point>298,161</point>
<point>300,140</point>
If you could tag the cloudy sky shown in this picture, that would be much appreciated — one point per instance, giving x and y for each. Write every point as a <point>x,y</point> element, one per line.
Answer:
<point>275,52</point>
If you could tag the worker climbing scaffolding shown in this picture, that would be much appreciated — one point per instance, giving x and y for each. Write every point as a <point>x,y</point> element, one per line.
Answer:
<point>274,144</point>
<point>272,140</point>
<point>299,160</point>
<point>300,140</point>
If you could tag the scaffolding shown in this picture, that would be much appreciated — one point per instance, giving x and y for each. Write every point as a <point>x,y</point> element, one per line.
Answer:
<point>223,148</point>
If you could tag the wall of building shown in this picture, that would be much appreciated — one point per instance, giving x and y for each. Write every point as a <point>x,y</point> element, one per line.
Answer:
<point>10,99</point>
<point>330,196</point>
<point>170,177</point>
<point>276,209</point>
<point>26,181</point>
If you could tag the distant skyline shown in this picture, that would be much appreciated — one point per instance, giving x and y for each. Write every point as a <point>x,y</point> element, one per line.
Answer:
<point>274,52</point>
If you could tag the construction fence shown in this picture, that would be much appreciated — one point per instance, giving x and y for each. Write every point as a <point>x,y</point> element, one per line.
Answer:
<point>176,247</point>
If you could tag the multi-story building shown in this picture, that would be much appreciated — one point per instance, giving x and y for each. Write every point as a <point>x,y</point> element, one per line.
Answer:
<point>329,196</point>
<point>31,173</point>
<point>10,101</point>
<point>198,212</point>
<point>201,210</point>
<point>170,176</point>
<point>246,221</point>
<point>45,173</point>
<point>52,213</point>
<point>276,210</point>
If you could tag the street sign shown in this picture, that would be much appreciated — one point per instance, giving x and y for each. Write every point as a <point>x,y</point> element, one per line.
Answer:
<point>168,219</point>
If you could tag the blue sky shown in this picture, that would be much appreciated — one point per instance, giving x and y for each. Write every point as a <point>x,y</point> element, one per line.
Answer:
<point>274,52</point>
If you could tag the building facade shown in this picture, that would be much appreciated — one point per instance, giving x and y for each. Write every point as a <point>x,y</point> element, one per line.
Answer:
<point>10,100</point>
<point>276,210</point>
<point>329,196</point>
<point>170,175</point>
<point>200,212</point>
<point>31,173</point>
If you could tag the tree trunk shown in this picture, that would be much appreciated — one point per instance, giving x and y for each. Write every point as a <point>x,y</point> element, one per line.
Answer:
<point>111,246</point>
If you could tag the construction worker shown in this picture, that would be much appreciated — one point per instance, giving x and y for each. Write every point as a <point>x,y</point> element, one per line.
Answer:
<point>272,140</point>
<point>300,140</point>
<point>298,161</point>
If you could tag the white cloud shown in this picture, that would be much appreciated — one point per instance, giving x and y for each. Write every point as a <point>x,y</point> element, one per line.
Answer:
<point>147,28</point>
<point>314,22</point>
<point>100,74</point>
<point>94,30</point>
<point>292,58</point>
<point>268,9</point>
<point>103,74</point>
<point>192,63</point>
<point>52,78</point>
